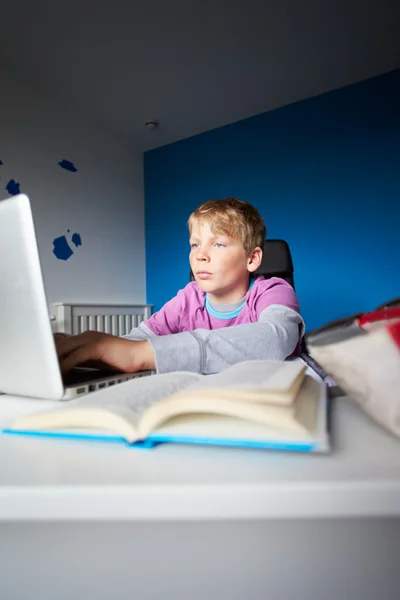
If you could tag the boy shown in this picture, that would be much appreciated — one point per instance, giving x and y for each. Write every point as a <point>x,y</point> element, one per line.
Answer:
<point>221,318</point>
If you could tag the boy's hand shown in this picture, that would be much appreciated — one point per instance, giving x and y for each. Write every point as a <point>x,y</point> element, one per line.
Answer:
<point>101,350</point>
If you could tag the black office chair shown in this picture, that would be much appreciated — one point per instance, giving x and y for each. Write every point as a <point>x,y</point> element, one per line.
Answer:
<point>276,261</point>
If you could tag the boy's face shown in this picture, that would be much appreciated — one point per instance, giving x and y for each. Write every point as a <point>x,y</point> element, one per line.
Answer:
<point>220,264</point>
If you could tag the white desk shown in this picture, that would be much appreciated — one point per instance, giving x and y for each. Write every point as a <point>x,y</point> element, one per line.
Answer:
<point>105,520</point>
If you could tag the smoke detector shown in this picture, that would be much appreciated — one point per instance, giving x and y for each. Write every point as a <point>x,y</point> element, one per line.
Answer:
<point>151,124</point>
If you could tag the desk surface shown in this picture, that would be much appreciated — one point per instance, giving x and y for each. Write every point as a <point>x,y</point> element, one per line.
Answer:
<point>44,479</point>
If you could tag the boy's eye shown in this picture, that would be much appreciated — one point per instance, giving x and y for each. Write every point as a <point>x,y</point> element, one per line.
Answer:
<point>194,245</point>
<point>220,245</point>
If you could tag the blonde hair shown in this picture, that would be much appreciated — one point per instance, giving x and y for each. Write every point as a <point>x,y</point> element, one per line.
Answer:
<point>235,218</point>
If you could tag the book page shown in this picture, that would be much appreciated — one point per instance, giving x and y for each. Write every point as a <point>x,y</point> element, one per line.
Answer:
<point>260,381</point>
<point>116,408</point>
<point>279,417</point>
<point>298,419</point>
<point>223,427</point>
<point>305,409</point>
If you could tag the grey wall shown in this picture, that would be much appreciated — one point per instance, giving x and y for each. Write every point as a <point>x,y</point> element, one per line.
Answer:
<point>102,200</point>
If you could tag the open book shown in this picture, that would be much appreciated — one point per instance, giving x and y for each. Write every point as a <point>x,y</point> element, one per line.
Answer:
<point>266,404</point>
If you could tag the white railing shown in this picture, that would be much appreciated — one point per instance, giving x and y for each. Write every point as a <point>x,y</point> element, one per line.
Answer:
<point>117,319</point>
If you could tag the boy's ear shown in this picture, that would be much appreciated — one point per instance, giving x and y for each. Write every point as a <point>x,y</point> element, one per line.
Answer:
<point>254,260</point>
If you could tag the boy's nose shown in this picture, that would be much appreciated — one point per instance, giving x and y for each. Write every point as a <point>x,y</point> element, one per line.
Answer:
<point>202,255</point>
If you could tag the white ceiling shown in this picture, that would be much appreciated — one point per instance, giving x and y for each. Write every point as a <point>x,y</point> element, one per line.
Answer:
<point>193,65</point>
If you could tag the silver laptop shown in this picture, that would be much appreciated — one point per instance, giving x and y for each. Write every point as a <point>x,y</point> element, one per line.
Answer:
<point>28,359</point>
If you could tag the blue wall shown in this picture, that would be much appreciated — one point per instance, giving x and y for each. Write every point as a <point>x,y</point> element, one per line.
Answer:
<point>325,175</point>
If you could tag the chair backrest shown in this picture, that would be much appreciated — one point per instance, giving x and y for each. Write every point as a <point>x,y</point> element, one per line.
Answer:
<point>277,261</point>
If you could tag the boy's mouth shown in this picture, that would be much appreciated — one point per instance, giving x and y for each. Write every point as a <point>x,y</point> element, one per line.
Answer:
<point>203,274</point>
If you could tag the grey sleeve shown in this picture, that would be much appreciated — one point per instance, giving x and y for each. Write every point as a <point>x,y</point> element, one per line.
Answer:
<point>139,333</point>
<point>274,337</point>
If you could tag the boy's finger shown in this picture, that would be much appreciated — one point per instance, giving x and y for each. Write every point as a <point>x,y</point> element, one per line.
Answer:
<point>70,345</point>
<point>78,356</point>
<point>58,338</point>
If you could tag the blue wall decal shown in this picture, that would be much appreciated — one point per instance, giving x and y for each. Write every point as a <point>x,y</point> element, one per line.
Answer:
<point>76,239</point>
<point>61,248</point>
<point>12,187</point>
<point>67,165</point>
